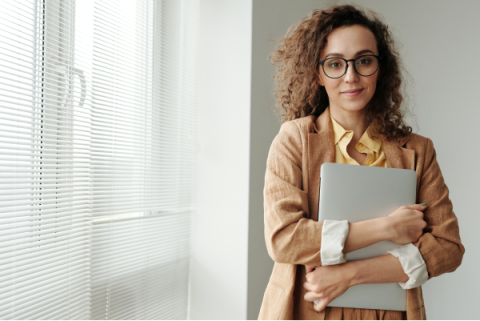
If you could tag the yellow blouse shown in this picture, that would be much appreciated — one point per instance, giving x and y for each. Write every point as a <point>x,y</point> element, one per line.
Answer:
<point>372,146</point>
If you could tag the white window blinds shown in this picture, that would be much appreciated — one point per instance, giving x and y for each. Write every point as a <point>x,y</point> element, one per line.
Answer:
<point>97,109</point>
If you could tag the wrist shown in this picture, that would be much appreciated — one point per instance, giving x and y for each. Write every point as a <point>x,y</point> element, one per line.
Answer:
<point>352,272</point>
<point>386,228</point>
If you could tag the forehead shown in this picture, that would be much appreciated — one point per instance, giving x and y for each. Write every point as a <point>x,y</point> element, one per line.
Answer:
<point>350,40</point>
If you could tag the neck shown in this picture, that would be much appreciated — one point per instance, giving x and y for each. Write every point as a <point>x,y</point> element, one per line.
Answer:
<point>350,120</point>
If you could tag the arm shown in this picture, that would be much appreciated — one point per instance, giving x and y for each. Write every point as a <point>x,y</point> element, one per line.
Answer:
<point>290,236</point>
<point>366,233</point>
<point>440,245</point>
<point>382,269</point>
<point>341,237</point>
<point>329,282</point>
<point>403,226</point>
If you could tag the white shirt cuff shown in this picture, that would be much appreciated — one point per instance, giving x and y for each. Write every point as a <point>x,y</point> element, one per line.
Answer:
<point>334,234</point>
<point>412,263</point>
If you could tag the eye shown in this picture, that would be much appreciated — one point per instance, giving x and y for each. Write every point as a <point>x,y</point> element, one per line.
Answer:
<point>364,60</point>
<point>335,63</point>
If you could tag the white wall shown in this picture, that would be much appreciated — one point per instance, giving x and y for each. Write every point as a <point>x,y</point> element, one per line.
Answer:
<point>447,107</point>
<point>218,271</point>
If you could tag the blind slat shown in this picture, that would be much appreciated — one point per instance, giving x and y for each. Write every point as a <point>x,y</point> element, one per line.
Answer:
<point>97,157</point>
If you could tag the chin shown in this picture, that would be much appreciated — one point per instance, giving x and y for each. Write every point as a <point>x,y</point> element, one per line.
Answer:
<point>354,106</point>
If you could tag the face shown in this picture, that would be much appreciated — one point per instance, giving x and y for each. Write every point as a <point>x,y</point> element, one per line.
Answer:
<point>351,92</point>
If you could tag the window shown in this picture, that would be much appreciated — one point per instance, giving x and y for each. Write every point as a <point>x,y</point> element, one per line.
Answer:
<point>97,138</point>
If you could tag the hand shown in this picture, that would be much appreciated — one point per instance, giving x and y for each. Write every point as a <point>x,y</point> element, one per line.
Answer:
<point>310,268</point>
<point>325,283</point>
<point>406,224</point>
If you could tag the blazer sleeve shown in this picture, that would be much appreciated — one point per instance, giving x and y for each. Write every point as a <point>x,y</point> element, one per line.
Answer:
<point>440,245</point>
<point>290,236</point>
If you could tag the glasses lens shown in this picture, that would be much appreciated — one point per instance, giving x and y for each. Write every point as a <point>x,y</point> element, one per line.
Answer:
<point>366,65</point>
<point>334,67</point>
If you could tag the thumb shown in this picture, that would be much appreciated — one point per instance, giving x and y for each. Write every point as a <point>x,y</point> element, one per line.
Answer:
<point>320,305</point>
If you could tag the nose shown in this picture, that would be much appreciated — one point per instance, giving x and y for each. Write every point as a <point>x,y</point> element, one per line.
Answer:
<point>351,75</point>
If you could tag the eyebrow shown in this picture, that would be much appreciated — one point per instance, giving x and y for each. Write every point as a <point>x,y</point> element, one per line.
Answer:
<point>334,54</point>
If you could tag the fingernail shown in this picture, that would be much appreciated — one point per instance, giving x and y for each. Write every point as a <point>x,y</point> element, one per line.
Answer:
<point>423,204</point>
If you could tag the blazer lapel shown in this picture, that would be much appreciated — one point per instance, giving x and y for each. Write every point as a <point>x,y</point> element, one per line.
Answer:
<point>321,149</point>
<point>397,156</point>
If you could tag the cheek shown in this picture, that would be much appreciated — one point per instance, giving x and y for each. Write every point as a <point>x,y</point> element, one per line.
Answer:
<point>331,86</point>
<point>321,77</point>
<point>371,83</point>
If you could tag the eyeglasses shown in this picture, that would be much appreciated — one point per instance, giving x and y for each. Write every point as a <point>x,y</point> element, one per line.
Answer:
<point>336,67</point>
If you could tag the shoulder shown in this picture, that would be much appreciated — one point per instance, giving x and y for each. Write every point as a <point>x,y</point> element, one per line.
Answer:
<point>298,127</point>
<point>291,140</point>
<point>424,150</point>
<point>419,143</point>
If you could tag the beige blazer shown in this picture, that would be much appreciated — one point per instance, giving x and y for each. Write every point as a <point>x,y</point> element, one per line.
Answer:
<point>292,233</point>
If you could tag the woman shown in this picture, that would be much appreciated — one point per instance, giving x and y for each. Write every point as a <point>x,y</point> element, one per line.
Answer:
<point>339,80</point>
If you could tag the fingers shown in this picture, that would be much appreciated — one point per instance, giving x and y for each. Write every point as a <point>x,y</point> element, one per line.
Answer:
<point>416,207</point>
<point>309,268</point>
<point>309,277</point>
<point>309,286</point>
<point>419,213</point>
<point>312,296</point>
<point>319,302</point>
<point>321,305</point>
<point>319,299</point>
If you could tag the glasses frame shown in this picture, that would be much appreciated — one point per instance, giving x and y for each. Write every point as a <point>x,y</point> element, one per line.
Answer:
<point>322,62</point>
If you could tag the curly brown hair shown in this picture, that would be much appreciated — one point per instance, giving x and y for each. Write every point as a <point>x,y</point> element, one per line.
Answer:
<point>296,57</point>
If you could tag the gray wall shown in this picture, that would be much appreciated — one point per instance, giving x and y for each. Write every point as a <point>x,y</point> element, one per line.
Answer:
<point>444,99</point>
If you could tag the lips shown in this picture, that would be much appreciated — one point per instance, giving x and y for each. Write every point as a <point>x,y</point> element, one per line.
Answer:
<point>352,92</point>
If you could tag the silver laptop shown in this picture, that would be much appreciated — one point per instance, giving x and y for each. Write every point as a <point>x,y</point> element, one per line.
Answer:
<point>372,192</point>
